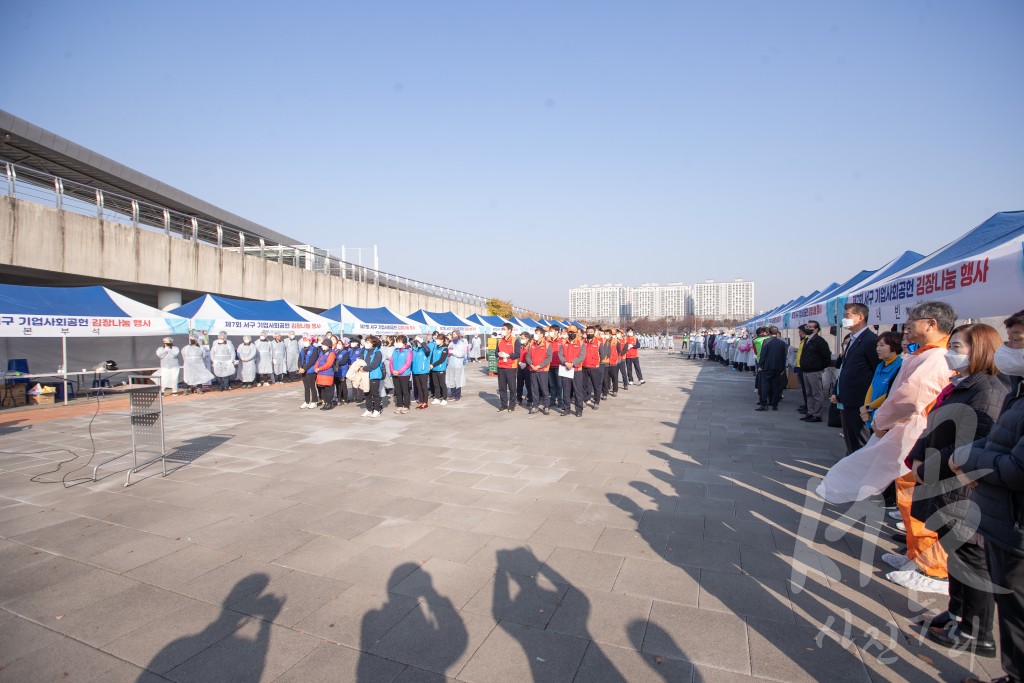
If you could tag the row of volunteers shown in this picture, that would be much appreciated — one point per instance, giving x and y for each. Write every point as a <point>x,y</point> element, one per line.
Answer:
<point>933,418</point>
<point>267,360</point>
<point>565,369</point>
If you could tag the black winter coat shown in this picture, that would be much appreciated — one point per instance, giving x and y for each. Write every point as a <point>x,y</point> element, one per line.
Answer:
<point>999,460</point>
<point>966,415</point>
<point>816,355</point>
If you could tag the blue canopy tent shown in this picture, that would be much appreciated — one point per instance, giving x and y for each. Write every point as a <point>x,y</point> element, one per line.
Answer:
<point>28,313</point>
<point>217,314</point>
<point>527,323</point>
<point>362,321</point>
<point>443,322</point>
<point>834,305</point>
<point>487,323</point>
<point>981,274</point>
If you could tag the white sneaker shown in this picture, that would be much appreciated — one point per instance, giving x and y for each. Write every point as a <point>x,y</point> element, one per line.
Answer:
<point>897,561</point>
<point>901,526</point>
<point>919,582</point>
<point>303,406</point>
<point>444,403</point>
<point>895,514</point>
<point>366,413</point>
<point>375,413</point>
<point>643,381</point>
<point>435,401</point>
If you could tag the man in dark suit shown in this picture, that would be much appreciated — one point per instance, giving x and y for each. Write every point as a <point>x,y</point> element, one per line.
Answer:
<point>772,367</point>
<point>855,375</point>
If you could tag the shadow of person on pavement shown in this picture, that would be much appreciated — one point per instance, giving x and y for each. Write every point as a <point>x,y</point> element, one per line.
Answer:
<point>728,506</point>
<point>432,636</point>
<point>247,655</point>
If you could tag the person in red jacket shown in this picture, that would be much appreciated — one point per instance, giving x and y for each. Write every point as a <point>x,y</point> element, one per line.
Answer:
<point>621,348</point>
<point>610,363</point>
<point>554,382</point>
<point>633,357</point>
<point>571,355</point>
<point>593,373</point>
<point>538,360</point>
<point>508,367</point>
<point>523,388</point>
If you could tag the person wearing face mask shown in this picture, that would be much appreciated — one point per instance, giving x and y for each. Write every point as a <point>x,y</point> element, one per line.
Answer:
<point>509,352</point>
<point>170,365</point>
<point>890,360</point>
<point>193,367</point>
<point>859,361</point>
<point>964,412</point>
<point>619,340</point>
<point>421,372</point>
<point>994,469</point>
<point>455,375</point>
<point>222,358</point>
<point>291,356</point>
<point>309,353</point>
<point>1010,356</point>
<point>815,357</point>
<point>593,378</point>
<point>571,355</point>
<point>247,362</point>
<point>324,369</point>
<point>900,421</point>
<point>401,371</point>
<point>264,359</point>
<point>554,385</point>
<point>438,367</point>
<point>608,369</point>
<point>523,390</point>
<point>633,357</point>
<point>537,356</point>
<point>374,359</point>
<point>278,358</point>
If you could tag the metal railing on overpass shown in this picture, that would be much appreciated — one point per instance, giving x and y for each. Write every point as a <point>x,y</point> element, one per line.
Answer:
<point>40,187</point>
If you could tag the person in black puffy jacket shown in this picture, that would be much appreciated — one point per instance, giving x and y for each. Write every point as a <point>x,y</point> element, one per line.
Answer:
<point>995,466</point>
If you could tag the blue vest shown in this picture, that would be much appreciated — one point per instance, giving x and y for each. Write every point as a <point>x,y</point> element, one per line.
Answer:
<point>400,357</point>
<point>421,361</point>
<point>372,354</point>
<point>435,355</point>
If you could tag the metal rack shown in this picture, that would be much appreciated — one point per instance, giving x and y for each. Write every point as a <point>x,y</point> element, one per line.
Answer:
<point>146,415</point>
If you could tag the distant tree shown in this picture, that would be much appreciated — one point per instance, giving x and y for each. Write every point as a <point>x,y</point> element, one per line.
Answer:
<point>500,307</point>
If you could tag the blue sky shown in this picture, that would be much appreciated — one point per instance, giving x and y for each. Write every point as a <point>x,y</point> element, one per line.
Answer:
<point>521,149</point>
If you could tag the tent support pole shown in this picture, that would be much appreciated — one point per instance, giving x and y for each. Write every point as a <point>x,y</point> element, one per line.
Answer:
<point>64,367</point>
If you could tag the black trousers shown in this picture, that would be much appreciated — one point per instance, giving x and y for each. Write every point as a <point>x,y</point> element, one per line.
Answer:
<point>968,573</point>
<point>523,385</point>
<point>326,393</point>
<point>373,399</point>
<point>539,389</point>
<point>402,383</point>
<point>422,383</point>
<point>622,372</point>
<point>853,429</point>
<point>340,388</point>
<point>572,391</point>
<point>631,365</point>
<point>224,382</point>
<point>309,387</point>
<point>593,379</point>
<point>611,378</point>
<point>1007,570</point>
<point>507,387</point>
<point>770,388</point>
<point>440,387</point>
<point>803,387</point>
<point>554,386</point>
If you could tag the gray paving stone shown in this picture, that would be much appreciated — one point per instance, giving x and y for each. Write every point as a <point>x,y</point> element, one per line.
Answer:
<point>746,596</point>
<point>609,664</point>
<point>450,544</point>
<point>659,581</point>
<point>698,636</point>
<point>300,594</point>
<point>509,525</point>
<point>582,568</point>
<point>224,582</point>
<point>378,567</point>
<point>443,581</point>
<point>798,654</point>
<point>598,615</point>
<point>181,566</point>
<point>435,638</point>
<point>513,652</point>
<point>688,551</point>
<point>568,534</point>
<point>320,555</point>
<point>645,546</point>
<point>527,600</point>
<point>359,617</point>
<point>330,663</point>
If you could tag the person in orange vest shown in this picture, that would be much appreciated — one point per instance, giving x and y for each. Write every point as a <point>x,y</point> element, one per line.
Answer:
<point>554,382</point>
<point>508,367</point>
<point>523,374</point>
<point>621,349</point>
<point>538,362</point>
<point>633,357</point>
<point>571,355</point>
<point>592,371</point>
<point>610,364</point>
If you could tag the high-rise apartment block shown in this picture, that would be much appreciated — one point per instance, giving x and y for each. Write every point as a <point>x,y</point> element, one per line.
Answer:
<point>616,303</point>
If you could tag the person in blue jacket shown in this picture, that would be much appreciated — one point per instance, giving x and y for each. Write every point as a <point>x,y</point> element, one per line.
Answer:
<point>324,368</point>
<point>374,365</point>
<point>308,355</point>
<point>421,372</point>
<point>438,366</point>
<point>343,350</point>
<point>401,371</point>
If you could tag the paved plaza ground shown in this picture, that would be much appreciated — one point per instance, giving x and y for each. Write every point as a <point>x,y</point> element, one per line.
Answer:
<point>650,540</point>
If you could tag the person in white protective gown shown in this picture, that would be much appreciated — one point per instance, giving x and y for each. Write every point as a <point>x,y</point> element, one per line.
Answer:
<point>291,353</point>
<point>222,358</point>
<point>278,358</point>
<point>170,365</point>
<point>247,362</point>
<point>194,369</point>
<point>900,421</point>
<point>264,359</point>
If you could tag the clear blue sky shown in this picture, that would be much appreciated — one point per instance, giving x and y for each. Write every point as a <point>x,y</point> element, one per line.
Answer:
<point>521,149</point>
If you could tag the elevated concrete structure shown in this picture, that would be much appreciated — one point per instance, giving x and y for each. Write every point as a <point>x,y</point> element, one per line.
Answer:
<point>44,245</point>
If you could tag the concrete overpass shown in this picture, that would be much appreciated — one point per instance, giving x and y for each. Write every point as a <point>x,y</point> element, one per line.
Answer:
<point>69,216</point>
